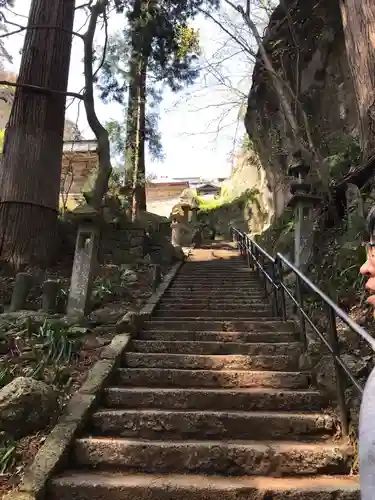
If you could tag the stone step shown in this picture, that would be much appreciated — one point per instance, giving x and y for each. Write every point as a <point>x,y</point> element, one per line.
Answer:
<point>217,274</point>
<point>236,264</point>
<point>90,485</point>
<point>229,280</point>
<point>232,348</point>
<point>213,399</point>
<point>213,305</point>
<point>158,377</point>
<point>207,362</point>
<point>235,458</point>
<point>222,325</point>
<point>213,302</point>
<point>226,288</point>
<point>243,313</point>
<point>184,424</point>
<point>209,336</point>
<point>214,294</point>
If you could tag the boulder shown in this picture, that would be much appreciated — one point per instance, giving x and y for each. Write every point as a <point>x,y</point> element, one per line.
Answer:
<point>106,315</point>
<point>129,276</point>
<point>161,250</point>
<point>325,376</point>
<point>26,406</point>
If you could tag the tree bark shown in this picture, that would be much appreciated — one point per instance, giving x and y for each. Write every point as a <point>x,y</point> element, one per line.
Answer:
<point>358,20</point>
<point>140,186</point>
<point>131,150</point>
<point>31,166</point>
<point>104,155</point>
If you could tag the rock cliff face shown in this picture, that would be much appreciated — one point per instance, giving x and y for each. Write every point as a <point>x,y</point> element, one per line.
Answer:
<point>307,49</point>
<point>248,174</point>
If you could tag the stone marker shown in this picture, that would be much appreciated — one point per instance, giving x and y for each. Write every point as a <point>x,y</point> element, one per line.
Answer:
<point>156,277</point>
<point>49,297</point>
<point>85,260</point>
<point>354,205</point>
<point>21,290</point>
<point>176,233</point>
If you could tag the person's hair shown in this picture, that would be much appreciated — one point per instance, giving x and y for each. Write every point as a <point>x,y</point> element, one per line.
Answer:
<point>371,223</point>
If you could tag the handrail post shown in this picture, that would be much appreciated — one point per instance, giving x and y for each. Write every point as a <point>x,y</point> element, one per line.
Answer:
<point>299,297</point>
<point>248,252</point>
<point>255,261</point>
<point>332,332</point>
<point>275,304</point>
<point>264,278</point>
<point>280,283</point>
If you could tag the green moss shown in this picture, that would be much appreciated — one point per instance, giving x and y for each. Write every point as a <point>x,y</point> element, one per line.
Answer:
<point>279,236</point>
<point>226,200</point>
<point>345,152</point>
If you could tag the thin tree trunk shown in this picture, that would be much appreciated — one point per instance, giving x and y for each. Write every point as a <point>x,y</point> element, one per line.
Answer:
<point>132,118</point>
<point>140,188</point>
<point>133,95</point>
<point>31,166</point>
<point>136,125</point>
<point>358,20</point>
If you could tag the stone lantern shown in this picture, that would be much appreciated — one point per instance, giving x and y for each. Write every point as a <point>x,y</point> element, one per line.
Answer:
<point>302,202</point>
<point>85,262</point>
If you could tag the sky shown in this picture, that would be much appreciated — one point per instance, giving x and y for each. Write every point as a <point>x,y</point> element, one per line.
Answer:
<point>200,126</point>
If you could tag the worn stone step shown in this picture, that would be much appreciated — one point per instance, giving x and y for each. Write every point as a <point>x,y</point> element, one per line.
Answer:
<point>159,377</point>
<point>226,288</point>
<point>234,458</point>
<point>212,336</point>
<point>184,424</point>
<point>197,347</point>
<point>220,325</point>
<point>215,293</point>
<point>212,281</point>
<point>244,313</point>
<point>214,399</point>
<point>210,362</point>
<point>211,305</point>
<point>235,265</point>
<point>219,277</point>
<point>213,302</point>
<point>90,485</point>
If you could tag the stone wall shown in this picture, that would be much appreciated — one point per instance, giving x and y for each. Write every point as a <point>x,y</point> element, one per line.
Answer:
<point>119,246</point>
<point>163,191</point>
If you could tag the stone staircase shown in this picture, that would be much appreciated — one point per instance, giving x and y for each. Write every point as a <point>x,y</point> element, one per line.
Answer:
<point>210,404</point>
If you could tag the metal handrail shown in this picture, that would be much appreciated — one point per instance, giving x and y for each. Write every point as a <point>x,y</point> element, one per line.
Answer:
<point>339,312</point>
<point>270,272</point>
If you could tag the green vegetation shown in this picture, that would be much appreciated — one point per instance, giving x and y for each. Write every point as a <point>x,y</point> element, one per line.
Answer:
<point>226,200</point>
<point>52,345</point>
<point>2,136</point>
<point>8,455</point>
<point>345,152</point>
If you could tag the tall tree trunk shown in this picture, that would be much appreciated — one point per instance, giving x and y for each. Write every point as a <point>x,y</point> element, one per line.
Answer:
<point>358,20</point>
<point>131,150</point>
<point>31,166</point>
<point>140,187</point>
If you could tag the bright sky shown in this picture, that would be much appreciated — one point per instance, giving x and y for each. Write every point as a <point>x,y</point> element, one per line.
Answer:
<point>199,126</point>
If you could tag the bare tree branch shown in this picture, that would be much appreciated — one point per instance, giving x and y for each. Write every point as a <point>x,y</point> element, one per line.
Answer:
<point>35,27</point>
<point>101,134</point>
<point>41,90</point>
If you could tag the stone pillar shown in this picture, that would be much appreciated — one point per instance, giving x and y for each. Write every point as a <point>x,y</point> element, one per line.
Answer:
<point>49,297</point>
<point>21,290</point>
<point>354,206</point>
<point>194,215</point>
<point>302,202</point>
<point>176,233</point>
<point>85,262</point>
